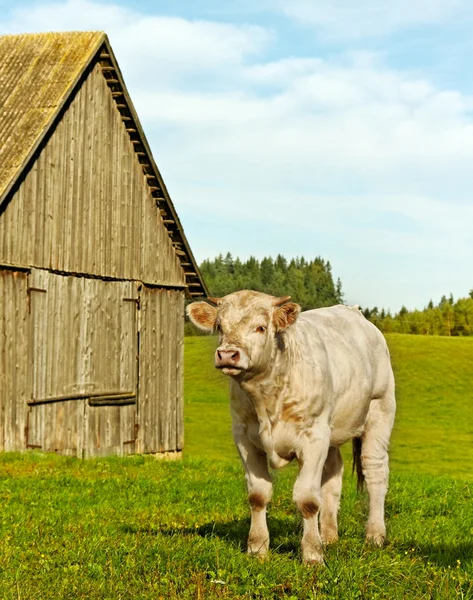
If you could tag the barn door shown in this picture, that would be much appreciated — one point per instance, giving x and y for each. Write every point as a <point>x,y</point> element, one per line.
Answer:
<point>83,352</point>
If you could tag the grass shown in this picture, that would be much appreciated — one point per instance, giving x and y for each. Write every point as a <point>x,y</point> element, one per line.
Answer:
<point>140,528</point>
<point>146,529</point>
<point>433,432</point>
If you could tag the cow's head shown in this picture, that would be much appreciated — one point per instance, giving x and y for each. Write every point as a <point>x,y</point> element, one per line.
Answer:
<point>248,324</point>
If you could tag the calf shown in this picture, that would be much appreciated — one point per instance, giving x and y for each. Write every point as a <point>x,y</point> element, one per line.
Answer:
<point>301,385</point>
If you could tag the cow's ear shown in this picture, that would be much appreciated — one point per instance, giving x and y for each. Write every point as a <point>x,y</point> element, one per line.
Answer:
<point>202,315</point>
<point>286,315</point>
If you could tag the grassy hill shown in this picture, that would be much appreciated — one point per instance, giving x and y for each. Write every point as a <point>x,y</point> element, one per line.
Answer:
<point>138,528</point>
<point>433,432</point>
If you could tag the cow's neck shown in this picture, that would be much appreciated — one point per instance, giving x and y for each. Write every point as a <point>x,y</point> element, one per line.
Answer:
<point>267,389</point>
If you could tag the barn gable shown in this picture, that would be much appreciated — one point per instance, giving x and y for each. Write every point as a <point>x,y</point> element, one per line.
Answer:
<point>94,263</point>
<point>64,102</point>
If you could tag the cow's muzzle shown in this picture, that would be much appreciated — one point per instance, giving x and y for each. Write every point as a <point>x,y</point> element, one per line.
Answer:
<point>230,359</point>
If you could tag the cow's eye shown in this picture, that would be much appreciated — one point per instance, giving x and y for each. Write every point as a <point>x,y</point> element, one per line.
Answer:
<point>218,329</point>
<point>261,329</point>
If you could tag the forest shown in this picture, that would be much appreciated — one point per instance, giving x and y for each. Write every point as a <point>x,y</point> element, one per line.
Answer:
<point>310,283</point>
<point>448,317</point>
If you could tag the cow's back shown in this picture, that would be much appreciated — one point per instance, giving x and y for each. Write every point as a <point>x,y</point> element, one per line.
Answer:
<point>351,354</point>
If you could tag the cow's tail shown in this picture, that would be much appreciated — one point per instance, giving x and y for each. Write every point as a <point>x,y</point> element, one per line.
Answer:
<point>356,443</point>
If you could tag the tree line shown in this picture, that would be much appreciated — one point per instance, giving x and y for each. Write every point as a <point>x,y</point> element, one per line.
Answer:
<point>448,317</point>
<point>310,283</point>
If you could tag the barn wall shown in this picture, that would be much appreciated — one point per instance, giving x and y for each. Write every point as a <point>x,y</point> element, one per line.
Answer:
<point>13,359</point>
<point>160,408</point>
<point>85,207</point>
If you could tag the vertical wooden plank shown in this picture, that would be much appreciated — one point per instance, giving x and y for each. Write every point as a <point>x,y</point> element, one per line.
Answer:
<point>180,372</point>
<point>54,152</point>
<point>109,165</point>
<point>13,359</point>
<point>65,245</point>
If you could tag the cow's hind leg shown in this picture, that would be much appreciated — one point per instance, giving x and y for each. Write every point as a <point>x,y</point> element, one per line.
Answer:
<point>260,486</point>
<point>374,460</point>
<point>331,491</point>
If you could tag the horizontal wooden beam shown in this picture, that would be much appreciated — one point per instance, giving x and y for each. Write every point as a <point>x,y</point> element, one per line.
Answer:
<point>81,396</point>
<point>125,400</point>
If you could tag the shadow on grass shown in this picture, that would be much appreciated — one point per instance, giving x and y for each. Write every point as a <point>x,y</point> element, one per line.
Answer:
<point>234,532</point>
<point>444,555</point>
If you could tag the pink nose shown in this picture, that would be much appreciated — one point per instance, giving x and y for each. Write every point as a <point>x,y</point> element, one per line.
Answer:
<point>227,358</point>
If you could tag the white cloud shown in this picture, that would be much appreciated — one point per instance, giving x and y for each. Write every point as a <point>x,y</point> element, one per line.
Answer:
<point>360,19</point>
<point>150,47</point>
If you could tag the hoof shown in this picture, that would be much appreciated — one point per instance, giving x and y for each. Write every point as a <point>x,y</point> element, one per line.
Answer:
<point>259,549</point>
<point>313,558</point>
<point>376,536</point>
<point>330,536</point>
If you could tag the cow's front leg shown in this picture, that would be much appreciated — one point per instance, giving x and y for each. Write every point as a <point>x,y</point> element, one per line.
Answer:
<point>307,490</point>
<point>260,489</point>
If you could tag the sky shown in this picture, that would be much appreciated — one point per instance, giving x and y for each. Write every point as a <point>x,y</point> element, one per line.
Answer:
<point>333,128</point>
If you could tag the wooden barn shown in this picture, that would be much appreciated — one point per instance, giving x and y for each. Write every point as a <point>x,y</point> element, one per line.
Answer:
<point>94,263</point>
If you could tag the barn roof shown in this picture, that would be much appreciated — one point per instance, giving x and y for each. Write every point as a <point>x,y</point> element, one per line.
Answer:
<point>39,75</point>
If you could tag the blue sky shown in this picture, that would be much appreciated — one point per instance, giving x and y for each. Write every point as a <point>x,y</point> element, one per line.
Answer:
<point>339,128</point>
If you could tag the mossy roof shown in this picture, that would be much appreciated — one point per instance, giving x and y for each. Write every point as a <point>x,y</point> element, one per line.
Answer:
<point>36,73</point>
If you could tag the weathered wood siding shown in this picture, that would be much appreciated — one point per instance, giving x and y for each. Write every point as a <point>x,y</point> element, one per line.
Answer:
<point>84,336</point>
<point>85,206</point>
<point>91,295</point>
<point>83,350</point>
<point>13,359</point>
<point>160,413</point>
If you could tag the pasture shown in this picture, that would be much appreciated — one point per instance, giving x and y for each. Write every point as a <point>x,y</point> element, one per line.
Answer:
<point>140,528</point>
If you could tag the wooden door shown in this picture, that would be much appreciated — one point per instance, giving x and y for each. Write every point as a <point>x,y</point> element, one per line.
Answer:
<point>83,356</point>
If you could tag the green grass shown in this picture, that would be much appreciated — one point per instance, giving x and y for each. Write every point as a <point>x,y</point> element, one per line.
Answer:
<point>140,528</point>
<point>433,432</point>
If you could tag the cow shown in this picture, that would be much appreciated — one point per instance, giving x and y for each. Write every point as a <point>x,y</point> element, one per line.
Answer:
<point>301,385</point>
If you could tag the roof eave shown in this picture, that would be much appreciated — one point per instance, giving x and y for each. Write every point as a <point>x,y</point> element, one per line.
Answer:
<point>196,286</point>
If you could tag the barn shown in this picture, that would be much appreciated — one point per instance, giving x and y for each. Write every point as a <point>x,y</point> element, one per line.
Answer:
<point>94,263</point>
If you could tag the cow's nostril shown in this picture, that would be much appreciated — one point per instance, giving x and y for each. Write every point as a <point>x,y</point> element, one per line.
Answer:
<point>219,355</point>
<point>235,356</point>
